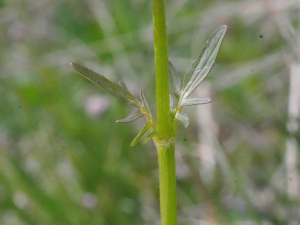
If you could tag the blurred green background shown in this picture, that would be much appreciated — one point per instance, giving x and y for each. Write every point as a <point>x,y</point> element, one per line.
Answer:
<point>64,160</point>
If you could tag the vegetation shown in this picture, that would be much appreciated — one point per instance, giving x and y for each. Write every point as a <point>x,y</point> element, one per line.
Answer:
<point>63,160</point>
<point>164,138</point>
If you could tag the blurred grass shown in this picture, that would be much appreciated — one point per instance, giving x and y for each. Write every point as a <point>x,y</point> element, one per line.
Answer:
<point>61,165</point>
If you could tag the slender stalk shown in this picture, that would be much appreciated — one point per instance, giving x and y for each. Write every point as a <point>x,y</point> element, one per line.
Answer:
<point>165,143</point>
<point>161,70</point>
<point>167,179</point>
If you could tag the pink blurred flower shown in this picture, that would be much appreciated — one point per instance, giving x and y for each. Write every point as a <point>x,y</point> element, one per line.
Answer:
<point>96,105</point>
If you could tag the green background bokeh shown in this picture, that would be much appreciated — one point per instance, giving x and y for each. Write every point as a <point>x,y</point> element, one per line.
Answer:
<point>64,160</point>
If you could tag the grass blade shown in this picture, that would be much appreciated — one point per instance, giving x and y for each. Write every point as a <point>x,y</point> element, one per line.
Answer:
<point>205,61</point>
<point>142,132</point>
<point>107,85</point>
<point>144,101</point>
<point>195,101</point>
<point>151,135</point>
<point>132,117</point>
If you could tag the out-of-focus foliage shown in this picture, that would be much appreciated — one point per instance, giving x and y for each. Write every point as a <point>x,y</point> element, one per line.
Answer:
<point>64,160</point>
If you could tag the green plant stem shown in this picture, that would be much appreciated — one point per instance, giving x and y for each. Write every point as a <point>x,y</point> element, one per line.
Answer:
<point>167,180</point>
<point>161,70</point>
<point>165,141</point>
